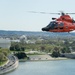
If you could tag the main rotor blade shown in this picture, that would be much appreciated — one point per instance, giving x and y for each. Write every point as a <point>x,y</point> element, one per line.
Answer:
<point>56,13</point>
<point>43,12</point>
<point>70,13</point>
<point>38,12</point>
<point>49,13</point>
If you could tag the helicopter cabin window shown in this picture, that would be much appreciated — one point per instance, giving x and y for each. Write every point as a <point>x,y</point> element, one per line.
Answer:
<point>61,25</point>
<point>56,26</point>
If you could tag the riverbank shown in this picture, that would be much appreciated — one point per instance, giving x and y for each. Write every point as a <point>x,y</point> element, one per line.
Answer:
<point>44,58</point>
<point>11,65</point>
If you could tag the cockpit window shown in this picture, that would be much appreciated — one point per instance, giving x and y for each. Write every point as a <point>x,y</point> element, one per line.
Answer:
<point>61,24</point>
<point>52,25</point>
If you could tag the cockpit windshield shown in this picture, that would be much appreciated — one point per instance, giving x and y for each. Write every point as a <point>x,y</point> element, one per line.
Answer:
<point>52,25</point>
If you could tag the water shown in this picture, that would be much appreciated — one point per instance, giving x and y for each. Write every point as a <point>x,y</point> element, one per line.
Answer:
<point>61,67</point>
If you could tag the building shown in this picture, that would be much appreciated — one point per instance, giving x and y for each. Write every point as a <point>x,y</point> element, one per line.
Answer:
<point>5,43</point>
<point>23,39</point>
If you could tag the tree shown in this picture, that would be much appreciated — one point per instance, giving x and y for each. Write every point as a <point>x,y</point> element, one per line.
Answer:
<point>17,47</point>
<point>65,50</point>
<point>12,48</point>
<point>56,52</point>
<point>42,48</point>
<point>23,48</point>
<point>21,55</point>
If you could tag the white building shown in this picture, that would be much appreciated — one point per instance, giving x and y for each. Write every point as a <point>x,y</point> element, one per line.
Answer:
<point>23,39</point>
<point>5,43</point>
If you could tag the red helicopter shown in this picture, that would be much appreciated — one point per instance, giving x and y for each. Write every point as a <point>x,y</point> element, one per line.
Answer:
<point>62,24</point>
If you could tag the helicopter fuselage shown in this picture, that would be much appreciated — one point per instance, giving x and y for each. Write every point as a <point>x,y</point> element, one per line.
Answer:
<point>62,24</point>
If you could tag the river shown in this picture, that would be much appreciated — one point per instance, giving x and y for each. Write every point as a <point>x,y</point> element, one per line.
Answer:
<point>61,67</point>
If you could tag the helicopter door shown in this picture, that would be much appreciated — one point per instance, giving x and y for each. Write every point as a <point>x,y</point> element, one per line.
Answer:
<point>56,26</point>
<point>61,26</point>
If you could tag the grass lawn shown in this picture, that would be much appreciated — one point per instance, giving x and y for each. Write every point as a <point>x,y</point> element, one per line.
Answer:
<point>3,62</point>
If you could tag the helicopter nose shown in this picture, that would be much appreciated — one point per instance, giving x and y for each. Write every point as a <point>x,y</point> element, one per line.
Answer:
<point>45,29</point>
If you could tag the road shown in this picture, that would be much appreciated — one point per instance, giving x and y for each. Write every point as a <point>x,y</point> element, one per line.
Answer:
<point>12,64</point>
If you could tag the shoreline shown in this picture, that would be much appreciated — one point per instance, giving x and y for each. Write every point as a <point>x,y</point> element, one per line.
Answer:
<point>10,66</point>
<point>43,58</point>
